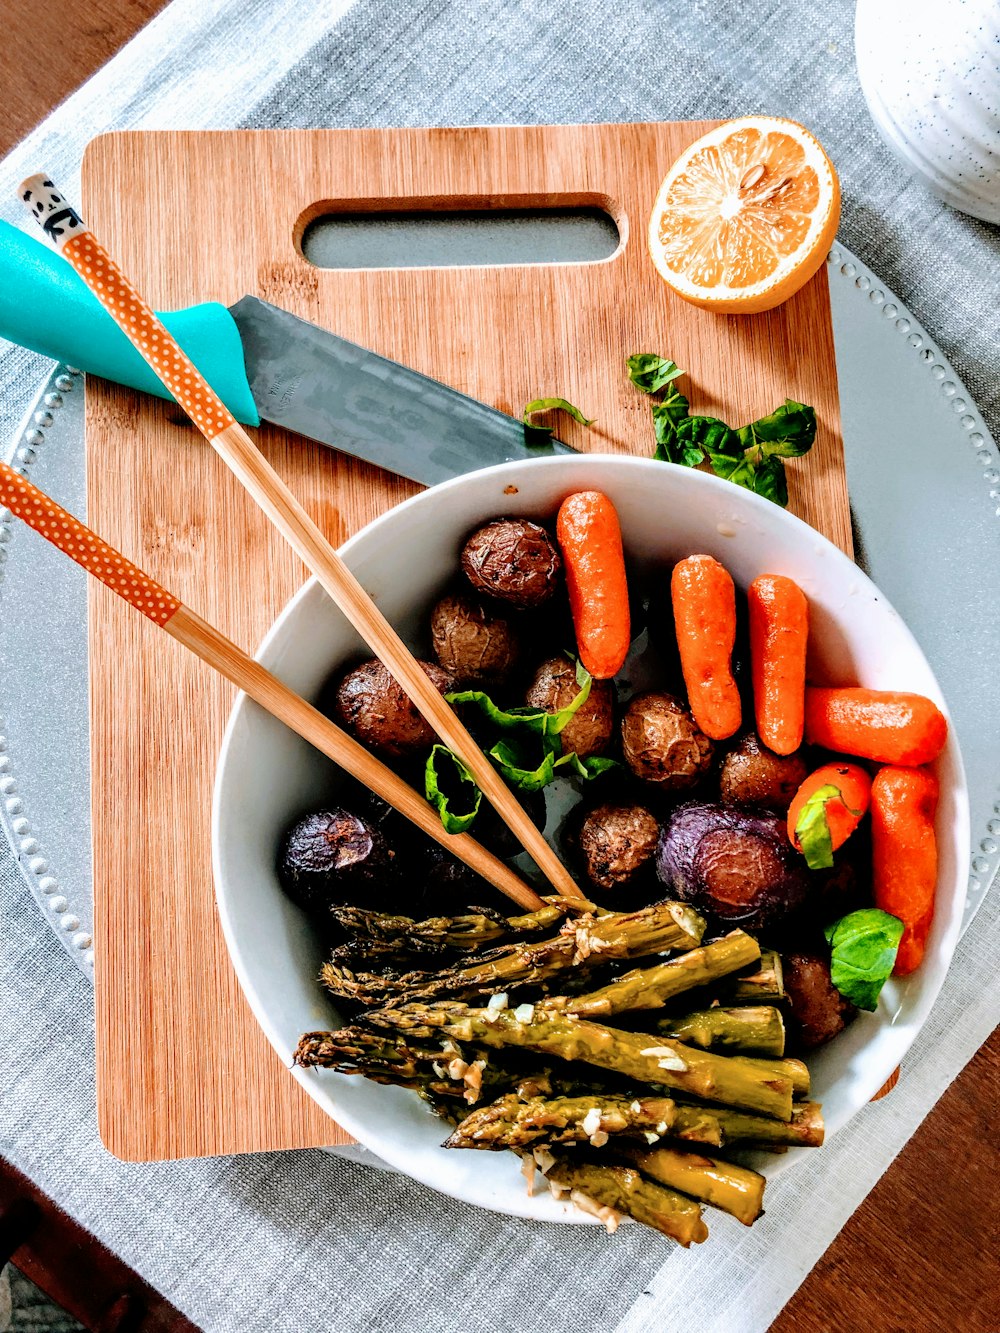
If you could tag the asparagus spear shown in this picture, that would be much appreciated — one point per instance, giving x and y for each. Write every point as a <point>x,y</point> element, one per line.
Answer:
<point>597,1187</point>
<point>383,1058</point>
<point>793,1070</point>
<point>764,985</point>
<point>721,1127</point>
<point>615,935</point>
<point>734,1189</point>
<point>651,987</point>
<point>367,953</point>
<point>733,1080</point>
<point>471,931</point>
<point>511,1122</point>
<point>749,1029</point>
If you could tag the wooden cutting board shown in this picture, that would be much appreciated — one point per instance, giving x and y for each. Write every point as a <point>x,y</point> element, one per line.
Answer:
<point>183,1069</point>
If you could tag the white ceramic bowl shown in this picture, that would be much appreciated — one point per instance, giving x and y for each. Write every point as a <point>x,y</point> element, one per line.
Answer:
<point>267,776</point>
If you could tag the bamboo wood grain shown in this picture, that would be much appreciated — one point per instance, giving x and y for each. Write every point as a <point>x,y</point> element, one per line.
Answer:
<point>183,1068</point>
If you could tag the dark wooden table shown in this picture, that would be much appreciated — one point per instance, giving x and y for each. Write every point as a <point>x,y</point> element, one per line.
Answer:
<point>920,1254</point>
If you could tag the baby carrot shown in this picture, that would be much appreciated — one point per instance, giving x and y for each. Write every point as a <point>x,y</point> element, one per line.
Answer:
<point>590,539</point>
<point>904,856</point>
<point>779,628</point>
<point>704,599</point>
<point>826,810</point>
<point>886,725</point>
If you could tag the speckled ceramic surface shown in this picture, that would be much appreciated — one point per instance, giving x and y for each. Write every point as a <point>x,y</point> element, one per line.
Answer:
<point>930,73</point>
<point>924,477</point>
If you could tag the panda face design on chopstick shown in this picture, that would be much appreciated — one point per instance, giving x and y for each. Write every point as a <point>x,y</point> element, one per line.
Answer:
<point>57,219</point>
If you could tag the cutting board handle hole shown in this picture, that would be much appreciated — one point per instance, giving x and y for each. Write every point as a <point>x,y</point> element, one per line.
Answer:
<point>461,233</point>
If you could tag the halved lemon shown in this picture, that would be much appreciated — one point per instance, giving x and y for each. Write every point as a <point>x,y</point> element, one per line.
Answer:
<point>745,216</point>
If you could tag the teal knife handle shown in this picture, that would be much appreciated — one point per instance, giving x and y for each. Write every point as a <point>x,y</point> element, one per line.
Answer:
<point>44,306</point>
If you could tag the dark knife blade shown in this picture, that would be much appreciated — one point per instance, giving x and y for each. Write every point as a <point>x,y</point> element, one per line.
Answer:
<point>320,385</point>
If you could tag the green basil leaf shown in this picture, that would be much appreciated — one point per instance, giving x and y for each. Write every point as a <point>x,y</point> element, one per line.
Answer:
<point>451,789</point>
<point>594,766</point>
<point>737,469</point>
<point>526,719</point>
<point>863,953</point>
<point>551,405</point>
<point>749,457</point>
<point>670,411</point>
<point>676,442</point>
<point>812,828</point>
<point>766,478</point>
<point>789,431</point>
<point>712,435</point>
<point>650,372</point>
<point>515,763</point>
<point>769,480</point>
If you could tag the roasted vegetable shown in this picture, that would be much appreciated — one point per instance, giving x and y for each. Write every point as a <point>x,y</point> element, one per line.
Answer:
<point>818,1010</point>
<point>749,1029</point>
<point>751,775</point>
<point>704,601</point>
<point>467,933</point>
<point>779,630</point>
<point>734,1189</point>
<point>764,984</point>
<point>554,686</point>
<point>826,810</point>
<point>614,935</point>
<point>334,857</point>
<point>720,1127</point>
<point>475,643</point>
<point>738,866</point>
<point>513,1122</point>
<point>652,987</point>
<point>607,1191</point>
<point>904,855</point>
<point>889,726</point>
<point>751,1085</point>
<point>662,743</point>
<point>617,844</point>
<point>514,560</point>
<point>590,539</point>
<point>375,709</point>
<point>430,880</point>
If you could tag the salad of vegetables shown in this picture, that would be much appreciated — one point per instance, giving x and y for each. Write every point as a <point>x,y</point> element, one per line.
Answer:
<point>758,853</point>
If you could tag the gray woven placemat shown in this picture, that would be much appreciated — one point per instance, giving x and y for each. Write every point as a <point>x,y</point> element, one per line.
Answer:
<point>301,1241</point>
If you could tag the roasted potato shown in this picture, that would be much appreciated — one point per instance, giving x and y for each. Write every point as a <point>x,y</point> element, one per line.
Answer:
<point>662,743</point>
<point>514,560</point>
<point>590,729</point>
<point>379,713</point>
<point>818,1010</point>
<point>752,776</point>
<point>736,866</point>
<point>430,880</point>
<point>474,643</point>
<point>617,845</point>
<point>335,857</point>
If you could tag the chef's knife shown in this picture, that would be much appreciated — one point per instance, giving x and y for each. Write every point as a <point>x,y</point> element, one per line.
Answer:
<point>268,364</point>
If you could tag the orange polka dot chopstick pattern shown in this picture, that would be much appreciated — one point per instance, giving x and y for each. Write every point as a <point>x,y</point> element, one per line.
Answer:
<point>81,248</point>
<point>77,541</point>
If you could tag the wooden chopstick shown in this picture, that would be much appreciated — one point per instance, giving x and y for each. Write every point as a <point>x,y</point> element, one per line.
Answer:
<point>96,556</point>
<point>77,244</point>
